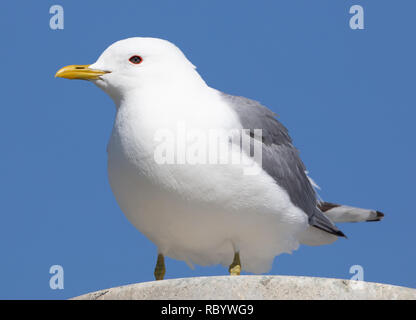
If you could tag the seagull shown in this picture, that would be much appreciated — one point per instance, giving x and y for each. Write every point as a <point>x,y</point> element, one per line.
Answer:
<point>197,203</point>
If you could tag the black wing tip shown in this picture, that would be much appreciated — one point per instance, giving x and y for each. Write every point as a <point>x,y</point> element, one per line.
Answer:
<point>339,233</point>
<point>379,217</point>
<point>335,232</point>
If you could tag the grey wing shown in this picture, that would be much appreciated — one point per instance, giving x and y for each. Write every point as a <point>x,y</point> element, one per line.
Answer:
<point>280,159</point>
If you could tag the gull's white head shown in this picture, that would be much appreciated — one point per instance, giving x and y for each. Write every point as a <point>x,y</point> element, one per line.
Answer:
<point>137,64</point>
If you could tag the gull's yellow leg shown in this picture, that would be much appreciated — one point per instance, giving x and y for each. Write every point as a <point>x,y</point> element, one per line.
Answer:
<point>160,267</point>
<point>235,267</point>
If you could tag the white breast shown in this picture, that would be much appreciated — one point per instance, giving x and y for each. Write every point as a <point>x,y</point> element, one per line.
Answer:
<point>196,213</point>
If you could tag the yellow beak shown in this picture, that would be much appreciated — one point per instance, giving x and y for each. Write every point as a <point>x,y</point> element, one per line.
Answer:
<point>79,72</point>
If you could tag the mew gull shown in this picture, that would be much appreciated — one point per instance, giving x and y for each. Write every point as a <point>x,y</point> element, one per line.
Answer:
<point>172,180</point>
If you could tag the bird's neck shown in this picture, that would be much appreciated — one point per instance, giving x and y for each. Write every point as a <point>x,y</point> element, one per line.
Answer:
<point>169,87</point>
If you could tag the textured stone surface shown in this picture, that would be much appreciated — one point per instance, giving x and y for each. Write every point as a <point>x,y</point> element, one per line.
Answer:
<point>253,287</point>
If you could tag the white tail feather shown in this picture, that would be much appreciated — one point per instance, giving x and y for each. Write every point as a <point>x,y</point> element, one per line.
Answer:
<point>351,214</point>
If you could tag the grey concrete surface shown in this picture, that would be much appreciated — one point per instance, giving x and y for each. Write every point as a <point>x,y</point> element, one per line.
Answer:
<point>254,287</point>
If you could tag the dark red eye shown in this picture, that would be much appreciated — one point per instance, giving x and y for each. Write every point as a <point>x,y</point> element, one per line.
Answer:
<point>136,59</point>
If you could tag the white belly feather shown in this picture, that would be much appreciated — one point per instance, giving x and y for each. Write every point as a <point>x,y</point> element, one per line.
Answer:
<point>199,213</point>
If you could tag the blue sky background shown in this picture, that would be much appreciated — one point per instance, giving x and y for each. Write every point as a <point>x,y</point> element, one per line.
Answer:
<point>347,97</point>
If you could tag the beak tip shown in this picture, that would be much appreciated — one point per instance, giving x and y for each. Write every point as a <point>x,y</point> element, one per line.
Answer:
<point>58,73</point>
